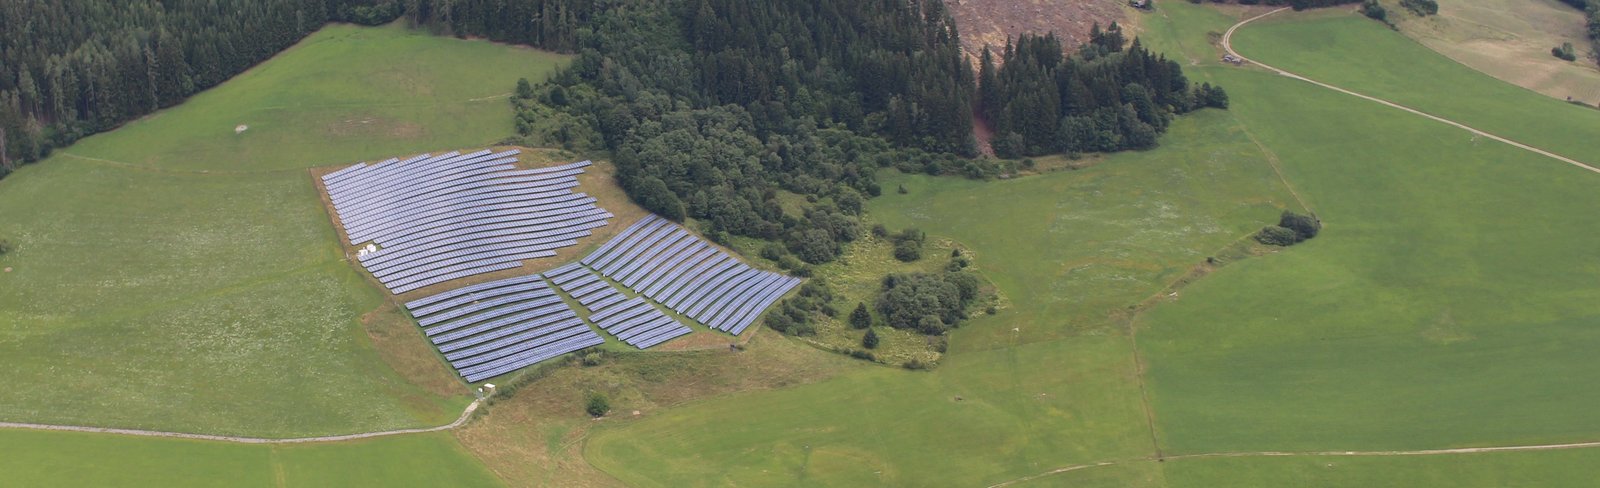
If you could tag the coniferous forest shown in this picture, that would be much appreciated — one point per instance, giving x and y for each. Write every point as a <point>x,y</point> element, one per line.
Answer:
<point>711,109</point>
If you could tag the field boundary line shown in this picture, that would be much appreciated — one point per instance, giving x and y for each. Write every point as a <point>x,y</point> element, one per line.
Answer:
<point>1421,452</point>
<point>1227,45</point>
<point>466,414</point>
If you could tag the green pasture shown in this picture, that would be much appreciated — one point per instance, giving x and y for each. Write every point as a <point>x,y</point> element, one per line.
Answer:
<point>1452,300</point>
<point>72,459</point>
<point>1362,55</point>
<point>1047,381</point>
<point>1543,469</point>
<point>172,275</point>
<point>345,93</point>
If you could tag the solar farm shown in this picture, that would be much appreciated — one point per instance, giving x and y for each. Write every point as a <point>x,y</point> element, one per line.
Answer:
<point>489,329</point>
<point>431,219</point>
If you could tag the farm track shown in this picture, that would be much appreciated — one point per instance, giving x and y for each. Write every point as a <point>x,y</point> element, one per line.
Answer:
<point>1227,45</point>
<point>465,415</point>
<point>1423,452</point>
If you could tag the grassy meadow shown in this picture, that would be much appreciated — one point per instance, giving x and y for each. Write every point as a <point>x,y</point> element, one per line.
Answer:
<point>1048,380</point>
<point>173,275</point>
<point>1448,303</point>
<point>1345,49</point>
<point>70,459</point>
<point>1511,40</point>
<point>343,94</point>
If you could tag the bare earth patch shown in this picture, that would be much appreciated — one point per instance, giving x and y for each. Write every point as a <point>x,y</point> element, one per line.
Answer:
<point>1511,40</point>
<point>992,22</point>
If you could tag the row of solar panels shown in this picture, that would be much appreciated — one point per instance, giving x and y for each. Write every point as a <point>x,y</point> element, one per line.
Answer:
<point>634,321</point>
<point>672,266</point>
<point>494,328</point>
<point>440,218</point>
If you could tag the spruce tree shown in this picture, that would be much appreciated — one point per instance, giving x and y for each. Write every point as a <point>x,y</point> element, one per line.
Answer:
<point>860,318</point>
<point>870,341</point>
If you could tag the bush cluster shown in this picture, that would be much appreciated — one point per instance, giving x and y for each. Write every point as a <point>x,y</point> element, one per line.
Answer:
<point>1292,229</point>
<point>797,316</point>
<point>908,244</point>
<point>598,405</point>
<point>930,303</point>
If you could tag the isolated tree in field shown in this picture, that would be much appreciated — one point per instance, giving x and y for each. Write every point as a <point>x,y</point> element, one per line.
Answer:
<point>870,341</point>
<point>1305,226</point>
<point>598,405</point>
<point>860,318</point>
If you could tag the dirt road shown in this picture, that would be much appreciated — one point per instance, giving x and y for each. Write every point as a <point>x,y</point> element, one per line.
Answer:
<point>465,414</point>
<point>1227,44</point>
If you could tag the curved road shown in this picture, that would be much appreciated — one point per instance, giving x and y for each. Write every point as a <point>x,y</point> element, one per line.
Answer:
<point>1227,45</point>
<point>465,414</point>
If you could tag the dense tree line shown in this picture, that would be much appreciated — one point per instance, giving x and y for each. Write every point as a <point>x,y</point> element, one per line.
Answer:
<point>1103,98</point>
<point>713,109</point>
<point>69,68</point>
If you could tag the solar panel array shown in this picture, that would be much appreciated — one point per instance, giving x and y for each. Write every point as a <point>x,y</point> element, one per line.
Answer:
<point>668,264</point>
<point>494,328</point>
<point>439,218</point>
<point>634,320</point>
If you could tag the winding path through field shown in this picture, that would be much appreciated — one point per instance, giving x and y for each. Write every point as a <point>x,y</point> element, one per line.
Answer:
<point>1227,45</point>
<point>465,415</point>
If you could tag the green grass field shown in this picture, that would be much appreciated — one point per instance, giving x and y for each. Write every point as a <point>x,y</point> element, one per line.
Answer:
<point>1511,40</point>
<point>1451,300</point>
<point>179,292</point>
<point>1351,51</point>
<point>346,93</point>
<point>69,459</point>
<point>1047,381</point>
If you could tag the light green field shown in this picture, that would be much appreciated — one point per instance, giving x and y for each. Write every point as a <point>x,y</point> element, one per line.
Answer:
<point>1351,51</point>
<point>1451,301</point>
<point>1067,250</point>
<point>175,291</point>
<point>345,93</point>
<point>71,459</point>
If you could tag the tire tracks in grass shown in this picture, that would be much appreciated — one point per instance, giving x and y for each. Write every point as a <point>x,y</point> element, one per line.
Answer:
<point>466,415</point>
<point>1269,454</point>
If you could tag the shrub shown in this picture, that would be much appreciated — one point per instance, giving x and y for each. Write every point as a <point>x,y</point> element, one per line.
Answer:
<point>863,355</point>
<point>1374,11</point>
<point>1421,7</point>
<point>860,318</point>
<point>870,341</point>
<point>1304,225</point>
<point>879,231</point>
<point>914,365</point>
<point>908,251</point>
<point>5,246</point>
<point>1277,236</point>
<point>901,190</point>
<point>773,252</point>
<point>598,405</point>
<point>1565,51</point>
<point>592,359</point>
